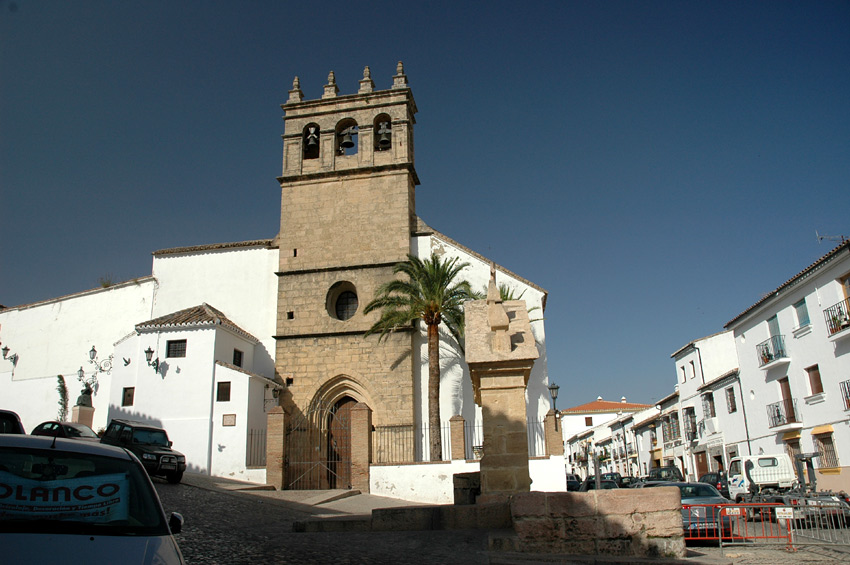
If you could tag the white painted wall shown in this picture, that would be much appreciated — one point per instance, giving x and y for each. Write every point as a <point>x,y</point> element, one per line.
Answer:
<point>54,338</point>
<point>405,481</point>
<point>806,346</point>
<point>238,281</point>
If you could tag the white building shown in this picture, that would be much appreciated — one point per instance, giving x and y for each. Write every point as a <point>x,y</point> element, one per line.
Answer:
<point>586,428</point>
<point>207,314</point>
<point>793,349</point>
<point>702,366</point>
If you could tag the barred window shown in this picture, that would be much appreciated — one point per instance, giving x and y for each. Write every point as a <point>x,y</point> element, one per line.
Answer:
<point>731,405</point>
<point>826,447</point>
<point>708,405</point>
<point>237,357</point>
<point>223,392</point>
<point>176,348</point>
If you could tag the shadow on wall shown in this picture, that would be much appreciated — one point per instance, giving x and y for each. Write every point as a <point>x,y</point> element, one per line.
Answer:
<point>120,413</point>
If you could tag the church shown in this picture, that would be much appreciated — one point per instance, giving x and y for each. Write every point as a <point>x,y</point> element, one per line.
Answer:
<point>218,335</point>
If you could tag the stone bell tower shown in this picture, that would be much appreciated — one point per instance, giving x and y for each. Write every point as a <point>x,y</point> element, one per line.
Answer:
<point>347,212</point>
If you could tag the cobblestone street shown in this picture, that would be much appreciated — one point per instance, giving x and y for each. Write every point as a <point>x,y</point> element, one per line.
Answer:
<point>233,528</point>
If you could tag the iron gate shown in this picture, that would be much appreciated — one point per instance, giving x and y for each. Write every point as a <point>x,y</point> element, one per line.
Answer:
<point>318,447</point>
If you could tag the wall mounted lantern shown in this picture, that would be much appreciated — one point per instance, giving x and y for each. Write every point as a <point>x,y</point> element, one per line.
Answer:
<point>90,382</point>
<point>13,357</point>
<point>154,363</point>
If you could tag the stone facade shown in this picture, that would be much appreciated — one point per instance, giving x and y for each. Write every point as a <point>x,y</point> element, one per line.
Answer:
<point>616,523</point>
<point>347,215</point>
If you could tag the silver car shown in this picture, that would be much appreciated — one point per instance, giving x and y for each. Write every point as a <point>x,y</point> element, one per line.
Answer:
<point>86,502</point>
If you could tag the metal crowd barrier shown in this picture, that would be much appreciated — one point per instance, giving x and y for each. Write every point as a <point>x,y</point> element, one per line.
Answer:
<point>807,522</point>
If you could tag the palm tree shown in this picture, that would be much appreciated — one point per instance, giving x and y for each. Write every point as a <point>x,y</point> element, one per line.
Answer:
<point>429,292</point>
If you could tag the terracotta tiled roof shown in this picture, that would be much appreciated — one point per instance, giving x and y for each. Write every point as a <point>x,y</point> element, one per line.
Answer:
<point>203,315</point>
<point>214,246</point>
<point>802,275</point>
<point>602,406</point>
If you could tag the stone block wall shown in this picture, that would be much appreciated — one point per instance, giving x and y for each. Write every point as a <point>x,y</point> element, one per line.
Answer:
<point>626,523</point>
<point>378,374</point>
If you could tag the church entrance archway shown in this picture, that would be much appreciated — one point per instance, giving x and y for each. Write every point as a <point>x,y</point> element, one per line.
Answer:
<point>318,447</point>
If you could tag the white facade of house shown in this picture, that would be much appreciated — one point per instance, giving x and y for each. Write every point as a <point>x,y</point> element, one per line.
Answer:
<point>698,364</point>
<point>782,343</point>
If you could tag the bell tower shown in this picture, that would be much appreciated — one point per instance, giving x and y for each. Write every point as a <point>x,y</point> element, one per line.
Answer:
<point>347,212</point>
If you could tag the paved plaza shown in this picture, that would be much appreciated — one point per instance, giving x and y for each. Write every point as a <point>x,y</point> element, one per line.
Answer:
<point>227,525</point>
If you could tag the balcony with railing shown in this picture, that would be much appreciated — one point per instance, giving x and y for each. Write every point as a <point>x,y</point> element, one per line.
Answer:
<point>772,353</point>
<point>838,320</point>
<point>782,413</point>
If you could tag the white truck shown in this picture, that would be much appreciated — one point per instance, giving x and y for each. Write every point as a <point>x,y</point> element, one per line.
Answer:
<point>771,479</point>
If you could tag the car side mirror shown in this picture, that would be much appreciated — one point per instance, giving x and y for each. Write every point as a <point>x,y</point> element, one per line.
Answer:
<point>170,443</point>
<point>175,522</point>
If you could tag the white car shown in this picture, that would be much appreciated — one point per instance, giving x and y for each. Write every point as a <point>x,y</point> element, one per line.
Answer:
<point>79,502</point>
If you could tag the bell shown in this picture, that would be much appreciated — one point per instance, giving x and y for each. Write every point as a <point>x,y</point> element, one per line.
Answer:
<point>312,141</point>
<point>346,141</point>
<point>385,136</point>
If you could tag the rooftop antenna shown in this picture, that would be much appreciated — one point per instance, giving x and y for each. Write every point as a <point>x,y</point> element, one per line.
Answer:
<point>838,238</point>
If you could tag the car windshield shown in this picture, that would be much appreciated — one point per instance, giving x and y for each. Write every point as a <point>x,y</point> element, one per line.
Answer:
<point>148,436</point>
<point>78,431</point>
<point>55,491</point>
<point>698,491</point>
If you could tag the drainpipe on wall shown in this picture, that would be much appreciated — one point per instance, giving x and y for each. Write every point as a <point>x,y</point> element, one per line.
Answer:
<point>212,408</point>
<point>744,412</point>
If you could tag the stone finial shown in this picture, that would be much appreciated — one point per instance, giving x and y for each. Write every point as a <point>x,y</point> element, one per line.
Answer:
<point>366,84</point>
<point>295,95</point>
<point>497,316</point>
<point>400,79</point>
<point>331,89</point>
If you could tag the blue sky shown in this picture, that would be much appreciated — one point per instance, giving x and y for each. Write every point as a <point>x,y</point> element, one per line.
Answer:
<point>656,166</point>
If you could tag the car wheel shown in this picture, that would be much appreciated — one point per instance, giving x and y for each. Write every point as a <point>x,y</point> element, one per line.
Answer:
<point>174,477</point>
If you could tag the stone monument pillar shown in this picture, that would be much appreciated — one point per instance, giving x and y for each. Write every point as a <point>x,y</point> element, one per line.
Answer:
<point>500,351</point>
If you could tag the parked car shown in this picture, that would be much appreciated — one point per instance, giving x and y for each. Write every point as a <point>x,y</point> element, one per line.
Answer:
<point>573,486</point>
<point>616,477</point>
<point>150,444</point>
<point>717,479</point>
<point>86,501</point>
<point>68,430</point>
<point>572,477</point>
<point>699,518</point>
<point>10,423</point>
<point>669,473</point>
<point>627,482</point>
<point>590,484</point>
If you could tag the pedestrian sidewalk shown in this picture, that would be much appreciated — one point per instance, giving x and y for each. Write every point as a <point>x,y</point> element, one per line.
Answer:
<point>319,503</point>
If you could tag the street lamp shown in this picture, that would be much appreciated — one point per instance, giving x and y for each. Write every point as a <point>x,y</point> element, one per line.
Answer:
<point>90,382</point>
<point>155,362</point>
<point>553,392</point>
